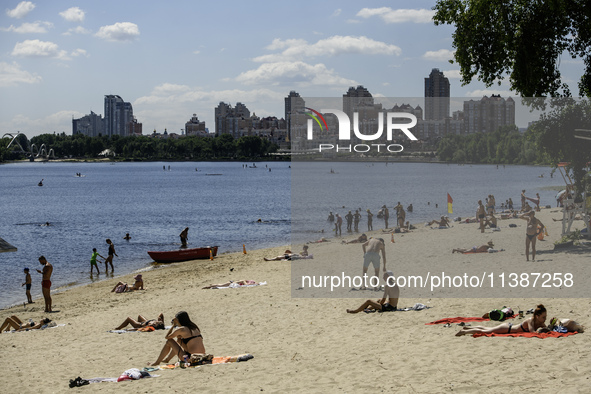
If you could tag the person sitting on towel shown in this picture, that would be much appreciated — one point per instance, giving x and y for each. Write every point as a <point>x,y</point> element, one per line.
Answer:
<point>391,295</point>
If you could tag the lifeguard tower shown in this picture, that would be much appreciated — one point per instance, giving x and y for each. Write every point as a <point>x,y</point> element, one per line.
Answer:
<point>575,204</point>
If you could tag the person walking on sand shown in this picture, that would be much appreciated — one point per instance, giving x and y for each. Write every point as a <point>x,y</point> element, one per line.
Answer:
<point>389,301</point>
<point>28,284</point>
<point>46,282</point>
<point>93,261</point>
<point>184,234</point>
<point>531,233</point>
<point>481,214</point>
<point>109,259</point>
<point>371,255</point>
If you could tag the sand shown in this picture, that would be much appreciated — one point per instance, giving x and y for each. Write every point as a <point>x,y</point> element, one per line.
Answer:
<point>305,344</point>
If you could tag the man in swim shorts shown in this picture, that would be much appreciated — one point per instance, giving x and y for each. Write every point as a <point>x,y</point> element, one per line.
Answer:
<point>46,282</point>
<point>481,214</point>
<point>28,284</point>
<point>371,255</point>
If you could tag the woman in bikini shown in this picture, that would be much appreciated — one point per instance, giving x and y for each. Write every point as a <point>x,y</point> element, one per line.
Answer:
<point>531,233</point>
<point>142,322</point>
<point>533,324</point>
<point>188,339</point>
<point>13,322</point>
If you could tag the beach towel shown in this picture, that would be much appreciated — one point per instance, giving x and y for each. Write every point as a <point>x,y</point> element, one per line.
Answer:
<point>236,285</point>
<point>141,329</point>
<point>213,361</point>
<point>452,320</point>
<point>551,334</point>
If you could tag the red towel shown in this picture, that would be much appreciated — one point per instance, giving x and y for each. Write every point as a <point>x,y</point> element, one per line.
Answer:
<point>452,320</point>
<point>552,334</point>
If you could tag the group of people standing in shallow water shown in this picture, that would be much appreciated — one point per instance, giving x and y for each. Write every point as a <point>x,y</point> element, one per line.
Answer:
<point>353,219</point>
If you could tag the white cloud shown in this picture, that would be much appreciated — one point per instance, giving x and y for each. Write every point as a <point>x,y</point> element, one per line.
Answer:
<point>296,49</point>
<point>11,74</point>
<point>37,48</point>
<point>294,72</point>
<point>77,30</point>
<point>337,12</point>
<point>479,93</point>
<point>121,31</point>
<point>73,14</point>
<point>197,52</point>
<point>21,10</point>
<point>79,52</point>
<point>60,121</point>
<point>389,15</point>
<point>452,74</point>
<point>30,28</point>
<point>442,55</point>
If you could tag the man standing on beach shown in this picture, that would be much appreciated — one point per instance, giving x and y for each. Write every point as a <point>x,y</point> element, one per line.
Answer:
<point>356,218</point>
<point>349,218</point>
<point>481,214</point>
<point>386,216</point>
<point>338,224</point>
<point>369,220</point>
<point>46,282</point>
<point>371,255</point>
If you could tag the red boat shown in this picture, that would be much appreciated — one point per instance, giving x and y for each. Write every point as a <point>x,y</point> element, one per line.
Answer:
<point>174,256</point>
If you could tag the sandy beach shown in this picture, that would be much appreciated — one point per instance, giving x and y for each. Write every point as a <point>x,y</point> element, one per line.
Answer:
<point>306,344</point>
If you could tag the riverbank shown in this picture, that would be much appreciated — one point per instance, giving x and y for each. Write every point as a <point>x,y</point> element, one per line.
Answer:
<point>313,344</point>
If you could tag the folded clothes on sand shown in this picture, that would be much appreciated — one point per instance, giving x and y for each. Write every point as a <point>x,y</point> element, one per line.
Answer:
<point>551,334</point>
<point>209,359</point>
<point>452,320</point>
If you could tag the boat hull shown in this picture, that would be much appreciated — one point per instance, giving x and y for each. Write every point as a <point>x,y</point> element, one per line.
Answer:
<point>174,256</point>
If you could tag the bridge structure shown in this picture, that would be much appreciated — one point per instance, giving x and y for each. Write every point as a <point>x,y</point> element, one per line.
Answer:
<point>35,153</point>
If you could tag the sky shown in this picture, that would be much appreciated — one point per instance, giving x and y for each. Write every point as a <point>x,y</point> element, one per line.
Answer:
<point>58,59</point>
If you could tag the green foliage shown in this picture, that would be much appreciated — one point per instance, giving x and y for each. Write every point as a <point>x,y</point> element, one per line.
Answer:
<point>149,148</point>
<point>504,146</point>
<point>554,134</point>
<point>522,39</point>
<point>572,236</point>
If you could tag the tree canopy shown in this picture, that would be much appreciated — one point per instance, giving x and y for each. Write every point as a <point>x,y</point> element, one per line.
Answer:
<point>522,39</point>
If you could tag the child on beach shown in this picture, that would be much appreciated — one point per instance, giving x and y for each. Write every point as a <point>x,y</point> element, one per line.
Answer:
<point>28,283</point>
<point>93,261</point>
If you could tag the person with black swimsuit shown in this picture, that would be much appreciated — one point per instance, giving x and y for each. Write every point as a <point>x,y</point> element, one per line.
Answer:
<point>534,226</point>
<point>533,324</point>
<point>183,339</point>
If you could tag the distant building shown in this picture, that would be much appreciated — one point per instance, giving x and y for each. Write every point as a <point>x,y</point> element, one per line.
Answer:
<point>230,120</point>
<point>294,106</point>
<point>89,125</point>
<point>437,96</point>
<point>195,127</point>
<point>488,114</point>
<point>118,115</point>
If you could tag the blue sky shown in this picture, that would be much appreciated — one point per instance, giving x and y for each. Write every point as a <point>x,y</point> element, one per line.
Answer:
<point>59,58</point>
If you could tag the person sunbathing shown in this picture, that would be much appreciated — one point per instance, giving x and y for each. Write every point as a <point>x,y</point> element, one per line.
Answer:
<point>230,283</point>
<point>122,287</point>
<point>142,322</point>
<point>388,302</point>
<point>533,324</point>
<point>361,239</point>
<point>13,322</point>
<point>183,339</point>
<point>474,249</point>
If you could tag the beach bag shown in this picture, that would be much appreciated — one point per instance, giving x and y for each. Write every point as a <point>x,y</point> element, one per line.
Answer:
<point>496,314</point>
<point>200,359</point>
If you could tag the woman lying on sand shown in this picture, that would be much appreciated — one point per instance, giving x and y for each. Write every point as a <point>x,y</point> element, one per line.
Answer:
<point>533,324</point>
<point>474,249</point>
<point>13,322</point>
<point>123,287</point>
<point>142,322</point>
<point>188,339</point>
<point>227,284</point>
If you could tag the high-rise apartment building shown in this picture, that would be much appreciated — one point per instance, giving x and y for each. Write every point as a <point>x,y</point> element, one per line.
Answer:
<point>89,125</point>
<point>294,106</point>
<point>118,115</point>
<point>488,114</point>
<point>437,96</point>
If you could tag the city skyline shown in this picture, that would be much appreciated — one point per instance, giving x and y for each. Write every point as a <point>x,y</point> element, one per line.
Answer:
<point>171,61</point>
